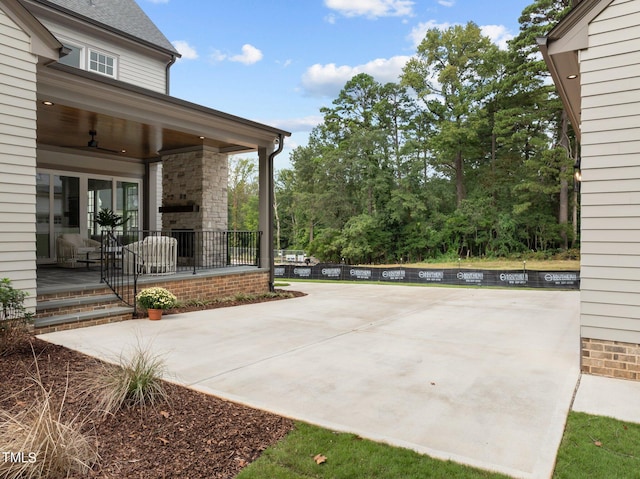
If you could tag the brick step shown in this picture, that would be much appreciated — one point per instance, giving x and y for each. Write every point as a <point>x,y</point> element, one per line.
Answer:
<point>75,304</point>
<point>61,322</point>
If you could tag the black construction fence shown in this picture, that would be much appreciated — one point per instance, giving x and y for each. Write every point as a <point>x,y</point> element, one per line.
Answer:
<point>467,277</point>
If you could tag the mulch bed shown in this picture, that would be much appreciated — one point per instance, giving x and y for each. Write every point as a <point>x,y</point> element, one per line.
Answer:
<point>227,303</point>
<point>194,435</point>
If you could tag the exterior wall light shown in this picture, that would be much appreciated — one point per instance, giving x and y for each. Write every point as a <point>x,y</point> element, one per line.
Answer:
<point>577,173</point>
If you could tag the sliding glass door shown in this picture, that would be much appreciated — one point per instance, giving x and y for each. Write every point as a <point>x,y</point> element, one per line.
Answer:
<point>69,203</point>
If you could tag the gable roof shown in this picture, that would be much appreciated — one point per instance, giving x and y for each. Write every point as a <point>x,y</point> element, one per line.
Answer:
<point>43,43</point>
<point>124,16</point>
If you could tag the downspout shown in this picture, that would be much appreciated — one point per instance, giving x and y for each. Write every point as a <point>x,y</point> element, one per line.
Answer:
<point>269,231</point>
<point>168,75</point>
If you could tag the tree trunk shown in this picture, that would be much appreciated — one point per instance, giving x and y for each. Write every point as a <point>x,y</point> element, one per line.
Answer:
<point>459,168</point>
<point>277,218</point>
<point>563,213</point>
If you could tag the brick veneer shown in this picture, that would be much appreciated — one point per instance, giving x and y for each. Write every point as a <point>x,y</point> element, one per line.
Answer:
<point>613,359</point>
<point>199,287</point>
<point>82,324</point>
<point>215,286</point>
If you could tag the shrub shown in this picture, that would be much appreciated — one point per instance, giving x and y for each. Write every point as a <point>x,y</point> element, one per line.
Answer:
<point>156,298</point>
<point>44,445</point>
<point>14,318</point>
<point>136,381</point>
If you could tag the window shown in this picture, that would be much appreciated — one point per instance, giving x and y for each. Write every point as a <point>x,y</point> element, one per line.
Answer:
<point>73,57</point>
<point>102,63</point>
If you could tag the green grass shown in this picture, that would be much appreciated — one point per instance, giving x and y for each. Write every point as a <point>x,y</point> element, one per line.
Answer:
<point>592,446</point>
<point>595,446</point>
<point>349,457</point>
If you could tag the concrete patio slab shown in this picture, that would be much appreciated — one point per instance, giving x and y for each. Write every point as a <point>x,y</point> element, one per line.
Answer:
<point>482,377</point>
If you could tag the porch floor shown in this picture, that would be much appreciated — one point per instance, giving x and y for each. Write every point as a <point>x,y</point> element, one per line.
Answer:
<point>53,279</point>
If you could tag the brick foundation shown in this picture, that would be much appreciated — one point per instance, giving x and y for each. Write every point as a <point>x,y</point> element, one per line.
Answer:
<point>613,359</point>
<point>202,288</point>
<point>82,324</point>
<point>198,287</point>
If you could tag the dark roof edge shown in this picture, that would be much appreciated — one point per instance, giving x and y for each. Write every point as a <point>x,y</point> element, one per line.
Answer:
<point>71,13</point>
<point>167,98</point>
<point>28,20</point>
<point>575,16</point>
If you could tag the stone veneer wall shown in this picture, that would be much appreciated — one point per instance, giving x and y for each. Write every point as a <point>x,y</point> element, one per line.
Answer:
<point>197,177</point>
<point>613,359</point>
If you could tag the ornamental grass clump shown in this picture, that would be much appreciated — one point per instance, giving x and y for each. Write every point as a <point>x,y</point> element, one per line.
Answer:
<point>136,381</point>
<point>156,298</point>
<point>37,442</point>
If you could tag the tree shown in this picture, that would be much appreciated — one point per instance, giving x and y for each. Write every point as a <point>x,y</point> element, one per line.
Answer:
<point>449,74</point>
<point>243,193</point>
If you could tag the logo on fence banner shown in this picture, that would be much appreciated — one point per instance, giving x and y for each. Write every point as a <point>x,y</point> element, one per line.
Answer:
<point>302,272</point>
<point>471,277</point>
<point>431,275</point>
<point>514,278</point>
<point>394,275</point>
<point>278,271</point>
<point>332,272</point>
<point>360,273</point>
<point>561,278</point>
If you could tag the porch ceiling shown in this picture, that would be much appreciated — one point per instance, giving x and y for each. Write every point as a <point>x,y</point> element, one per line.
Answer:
<point>140,122</point>
<point>68,127</point>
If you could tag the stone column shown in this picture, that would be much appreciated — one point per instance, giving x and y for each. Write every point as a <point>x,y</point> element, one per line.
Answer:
<point>194,190</point>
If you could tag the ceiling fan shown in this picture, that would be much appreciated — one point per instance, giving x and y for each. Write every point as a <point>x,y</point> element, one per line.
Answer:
<point>93,143</point>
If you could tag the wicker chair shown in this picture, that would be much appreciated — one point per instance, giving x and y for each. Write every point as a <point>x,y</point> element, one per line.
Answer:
<point>157,255</point>
<point>71,247</point>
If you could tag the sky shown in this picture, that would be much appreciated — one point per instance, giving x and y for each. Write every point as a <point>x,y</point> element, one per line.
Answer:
<point>279,61</point>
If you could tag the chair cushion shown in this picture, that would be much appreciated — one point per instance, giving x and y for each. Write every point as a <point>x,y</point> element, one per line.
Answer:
<point>74,238</point>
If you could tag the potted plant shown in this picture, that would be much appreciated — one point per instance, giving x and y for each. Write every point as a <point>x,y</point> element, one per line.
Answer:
<point>107,218</point>
<point>155,300</point>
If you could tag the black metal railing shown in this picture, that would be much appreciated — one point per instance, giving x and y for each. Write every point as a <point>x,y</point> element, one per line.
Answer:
<point>119,268</point>
<point>158,252</point>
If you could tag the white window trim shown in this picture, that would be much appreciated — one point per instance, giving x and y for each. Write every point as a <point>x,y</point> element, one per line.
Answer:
<point>90,50</point>
<point>83,51</point>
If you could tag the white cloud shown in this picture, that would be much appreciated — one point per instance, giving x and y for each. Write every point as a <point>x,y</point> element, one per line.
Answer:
<point>328,80</point>
<point>447,3</point>
<point>418,32</point>
<point>217,56</point>
<point>187,51</point>
<point>295,125</point>
<point>331,18</point>
<point>371,8</point>
<point>498,34</point>
<point>249,55</point>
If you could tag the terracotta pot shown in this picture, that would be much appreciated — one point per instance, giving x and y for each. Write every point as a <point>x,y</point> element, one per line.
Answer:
<point>154,314</point>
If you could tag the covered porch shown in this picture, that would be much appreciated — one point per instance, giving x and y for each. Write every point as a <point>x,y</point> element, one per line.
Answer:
<point>158,161</point>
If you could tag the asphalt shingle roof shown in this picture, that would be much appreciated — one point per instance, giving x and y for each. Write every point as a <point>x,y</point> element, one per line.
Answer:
<point>122,15</point>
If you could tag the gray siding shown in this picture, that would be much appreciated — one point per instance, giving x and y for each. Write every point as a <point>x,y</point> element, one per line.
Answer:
<point>133,67</point>
<point>610,80</point>
<point>17,157</point>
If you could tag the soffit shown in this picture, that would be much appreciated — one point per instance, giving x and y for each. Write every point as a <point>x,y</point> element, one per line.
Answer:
<point>560,51</point>
<point>142,122</point>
